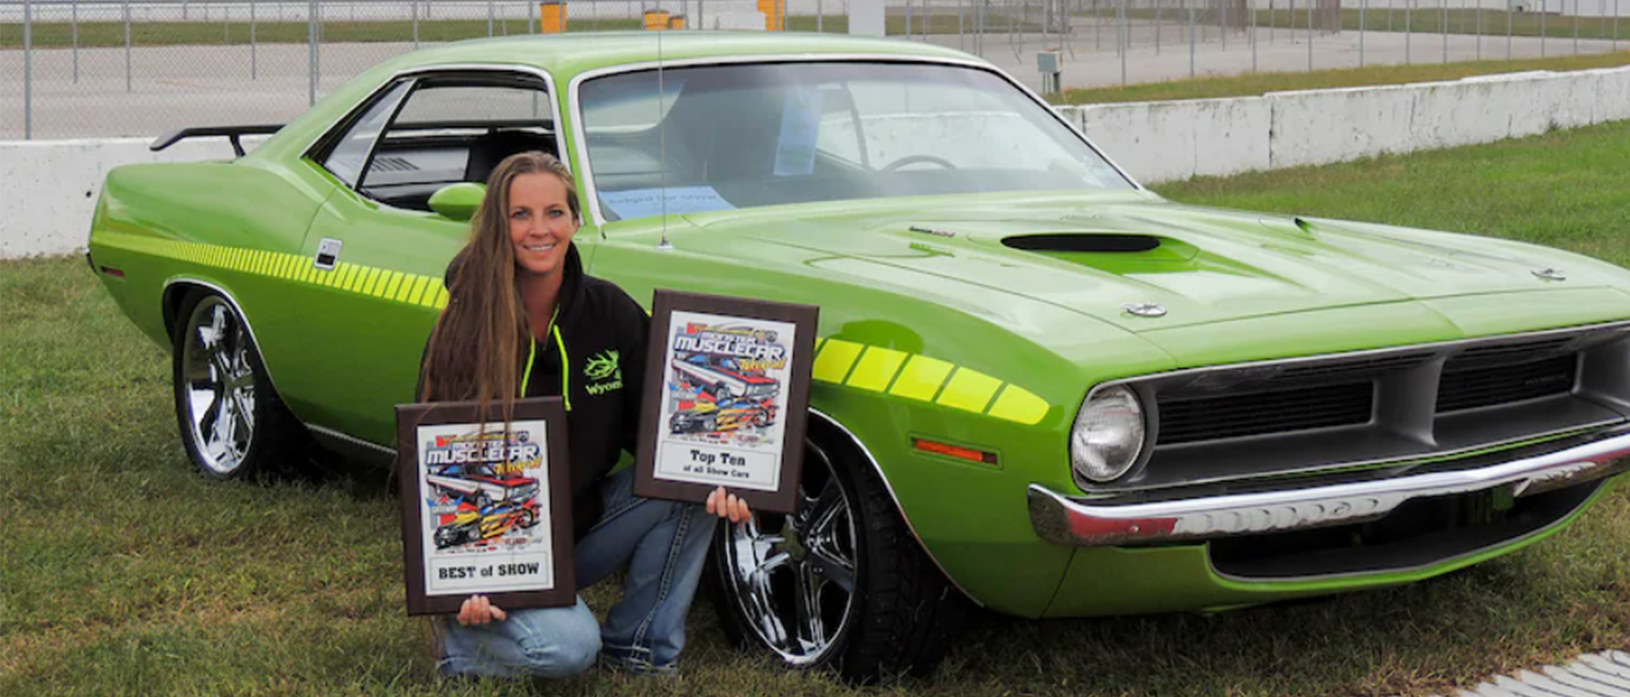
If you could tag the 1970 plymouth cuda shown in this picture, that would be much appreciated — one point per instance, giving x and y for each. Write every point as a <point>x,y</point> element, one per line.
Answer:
<point>1039,386</point>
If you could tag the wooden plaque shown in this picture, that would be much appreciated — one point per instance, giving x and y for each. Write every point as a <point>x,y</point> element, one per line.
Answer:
<point>484,510</point>
<point>726,398</point>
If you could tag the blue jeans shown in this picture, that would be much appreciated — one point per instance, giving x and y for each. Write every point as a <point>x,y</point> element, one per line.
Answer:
<point>664,544</point>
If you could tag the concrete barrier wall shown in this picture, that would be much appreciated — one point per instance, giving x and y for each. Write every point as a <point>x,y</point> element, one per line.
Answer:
<point>1613,94</point>
<point>1165,141</point>
<point>49,188</point>
<point>376,10</point>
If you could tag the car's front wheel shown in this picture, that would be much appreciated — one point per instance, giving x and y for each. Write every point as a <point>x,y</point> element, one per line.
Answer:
<point>232,422</point>
<point>840,583</point>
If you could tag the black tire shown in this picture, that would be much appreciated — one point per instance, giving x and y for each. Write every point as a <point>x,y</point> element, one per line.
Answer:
<point>903,613</point>
<point>274,440</point>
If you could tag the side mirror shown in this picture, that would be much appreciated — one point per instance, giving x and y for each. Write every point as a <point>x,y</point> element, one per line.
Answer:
<point>458,201</point>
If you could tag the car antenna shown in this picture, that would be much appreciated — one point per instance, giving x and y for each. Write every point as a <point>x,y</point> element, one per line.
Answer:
<point>662,148</point>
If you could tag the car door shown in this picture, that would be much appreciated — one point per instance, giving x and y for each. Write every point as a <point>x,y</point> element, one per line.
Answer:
<point>378,250</point>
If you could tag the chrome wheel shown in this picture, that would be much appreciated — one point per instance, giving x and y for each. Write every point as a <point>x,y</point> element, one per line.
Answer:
<point>216,386</point>
<point>791,578</point>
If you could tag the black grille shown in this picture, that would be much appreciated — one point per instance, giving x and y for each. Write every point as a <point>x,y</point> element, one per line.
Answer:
<point>1279,411</point>
<point>1469,384</point>
<point>1509,352</point>
<point>1350,368</point>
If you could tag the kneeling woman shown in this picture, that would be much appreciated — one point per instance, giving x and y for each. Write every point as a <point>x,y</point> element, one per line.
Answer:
<point>524,319</point>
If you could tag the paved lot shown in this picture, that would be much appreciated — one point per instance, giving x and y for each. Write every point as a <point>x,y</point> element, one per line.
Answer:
<point>1091,59</point>
<point>202,85</point>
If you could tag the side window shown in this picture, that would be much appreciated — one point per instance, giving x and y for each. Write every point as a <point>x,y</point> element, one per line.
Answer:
<point>350,154</point>
<point>451,127</point>
<point>473,104</point>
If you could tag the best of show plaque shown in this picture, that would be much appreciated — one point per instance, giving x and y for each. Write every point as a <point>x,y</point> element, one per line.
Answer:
<point>726,396</point>
<point>484,510</point>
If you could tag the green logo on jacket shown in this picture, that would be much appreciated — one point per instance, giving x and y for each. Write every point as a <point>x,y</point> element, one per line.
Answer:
<point>604,373</point>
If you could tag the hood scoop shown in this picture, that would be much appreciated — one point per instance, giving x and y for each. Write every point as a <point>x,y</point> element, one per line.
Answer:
<point>1121,253</point>
<point>1084,242</point>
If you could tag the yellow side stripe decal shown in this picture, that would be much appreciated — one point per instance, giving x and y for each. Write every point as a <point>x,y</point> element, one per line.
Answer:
<point>969,390</point>
<point>834,360</point>
<point>837,361</point>
<point>925,379</point>
<point>412,283</point>
<point>397,286</point>
<point>390,288</point>
<point>877,368</point>
<point>418,290</point>
<point>921,378</point>
<point>1018,404</point>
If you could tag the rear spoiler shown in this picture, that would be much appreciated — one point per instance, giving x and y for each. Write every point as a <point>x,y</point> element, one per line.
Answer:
<point>234,133</point>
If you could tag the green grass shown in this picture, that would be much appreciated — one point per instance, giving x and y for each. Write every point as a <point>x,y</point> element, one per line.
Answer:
<point>122,572</point>
<point>1566,189</point>
<point>110,34</point>
<point>1422,20</point>
<point>1432,20</point>
<point>106,34</point>
<point>1261,83</point>
<point>941,22</point>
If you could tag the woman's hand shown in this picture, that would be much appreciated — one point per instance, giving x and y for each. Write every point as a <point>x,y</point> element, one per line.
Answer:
<point>726,505</point>
<point>477,609</point>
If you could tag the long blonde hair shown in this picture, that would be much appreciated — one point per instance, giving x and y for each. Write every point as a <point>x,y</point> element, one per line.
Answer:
<point>475,348</point>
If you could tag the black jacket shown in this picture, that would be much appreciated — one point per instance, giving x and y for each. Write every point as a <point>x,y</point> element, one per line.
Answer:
<point>600,373</point>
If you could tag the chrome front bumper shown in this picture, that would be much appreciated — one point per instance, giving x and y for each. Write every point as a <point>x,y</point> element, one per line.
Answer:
<point>1096,523</point>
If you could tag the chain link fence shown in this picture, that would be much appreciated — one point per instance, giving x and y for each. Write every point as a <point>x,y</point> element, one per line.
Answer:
<point>72,69</point>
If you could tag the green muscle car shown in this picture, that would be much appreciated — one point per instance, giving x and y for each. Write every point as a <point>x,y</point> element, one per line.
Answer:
<point>1038,387</point>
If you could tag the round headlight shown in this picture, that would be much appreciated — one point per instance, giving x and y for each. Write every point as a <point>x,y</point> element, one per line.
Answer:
<point>1108,434</point>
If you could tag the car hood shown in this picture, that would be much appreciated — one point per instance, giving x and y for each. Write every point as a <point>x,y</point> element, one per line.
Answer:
<point>1099,257</point>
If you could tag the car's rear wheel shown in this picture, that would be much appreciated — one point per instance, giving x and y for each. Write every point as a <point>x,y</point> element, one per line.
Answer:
<point>232,422</point>
<point>840,583</point>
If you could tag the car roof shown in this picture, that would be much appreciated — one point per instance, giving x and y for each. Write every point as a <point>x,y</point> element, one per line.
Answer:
<point>567,54</point>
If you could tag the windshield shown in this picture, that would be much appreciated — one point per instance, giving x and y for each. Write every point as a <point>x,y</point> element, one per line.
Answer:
<point>763,390</point>
<point>741,136</point>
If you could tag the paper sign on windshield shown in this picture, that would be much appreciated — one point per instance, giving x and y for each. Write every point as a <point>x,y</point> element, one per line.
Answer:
<point>644,203</point>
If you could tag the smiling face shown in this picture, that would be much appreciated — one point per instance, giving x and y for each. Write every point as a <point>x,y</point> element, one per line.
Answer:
<point>541,223</point>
